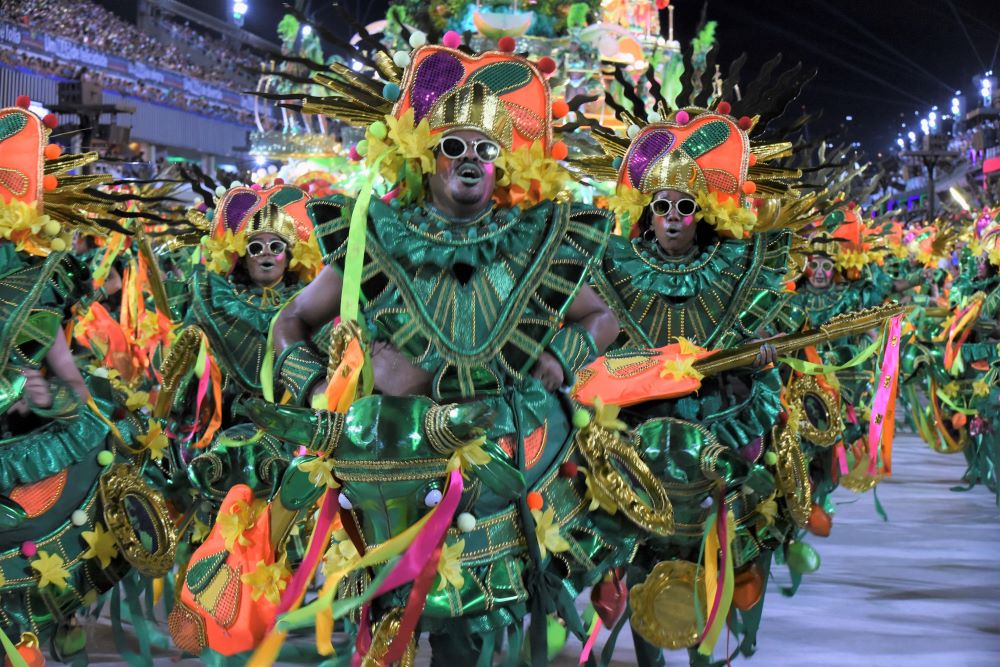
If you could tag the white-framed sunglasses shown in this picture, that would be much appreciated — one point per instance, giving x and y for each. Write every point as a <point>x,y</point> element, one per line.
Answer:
<point>257,248</point>
<point>454,147</point>
<point>661,207</point>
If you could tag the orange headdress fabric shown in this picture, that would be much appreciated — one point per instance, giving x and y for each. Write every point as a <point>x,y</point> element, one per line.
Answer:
<point>236,210</point>
<point>708,153</point>
<point>22,138</point>
<point>498,93</point>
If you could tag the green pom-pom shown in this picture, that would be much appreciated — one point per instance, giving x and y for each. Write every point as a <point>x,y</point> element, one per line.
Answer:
<point>105,458</point>
<point>581,418</point>
<point>210,214</point>
<point>391,92</point>
<point>801,557</point>
<point>616,163</point>
<point>770,458</point>
<point>377,130</point>
<point>362,147</point>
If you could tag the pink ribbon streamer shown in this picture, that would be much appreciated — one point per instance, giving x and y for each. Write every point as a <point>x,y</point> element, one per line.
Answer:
<point>203,383</point>
<point>589,646</point>
<point>841,458</point>
<point>884,392</point>
<point>307,568</point>
<point>416,556</point>
<point>852,415</point>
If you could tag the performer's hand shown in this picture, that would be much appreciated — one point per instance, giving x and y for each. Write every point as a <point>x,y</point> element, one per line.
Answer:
<point>36,389</point>
<point>549,371</point>
<point>767,355</point>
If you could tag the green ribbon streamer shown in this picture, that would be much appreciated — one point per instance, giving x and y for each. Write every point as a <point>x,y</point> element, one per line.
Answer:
<point>16,659</point>
<point>809,368</point>
<point>350,294</point>
<point>951,404</point>
<point>306,618</point>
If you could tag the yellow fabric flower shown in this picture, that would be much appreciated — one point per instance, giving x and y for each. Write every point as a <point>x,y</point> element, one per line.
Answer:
<point>951,389</point>
<point>201,531</point>
<point>320,472</point>
<point>155,440</point>
<point>234,522</point>
<point>606,416</point>
<point>531,170</point>
<point>469,455</point>
<point>30,230</point>
<point>101,543</point>
<point>627,203</point>
<point>450,565</point>
<point>341,553</point>
<point>599,498</point>
<point>51,569</point>
<point>680,368</point>
<point>726,215</point>
<point>980,388</point>
<point>306,258</point>
<point>221,254</point>
<point>686,347</point>
<point>137,400</point>
<point>547,532</point>
<point>767,511</point>
<point>414,141</point>
<point>267,580</point>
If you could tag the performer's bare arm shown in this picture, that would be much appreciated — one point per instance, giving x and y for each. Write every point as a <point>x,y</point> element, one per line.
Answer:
<point>590,312</point>
<point>313,307</point>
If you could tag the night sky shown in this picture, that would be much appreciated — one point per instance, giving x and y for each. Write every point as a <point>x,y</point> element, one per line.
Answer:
<point>879,61</point>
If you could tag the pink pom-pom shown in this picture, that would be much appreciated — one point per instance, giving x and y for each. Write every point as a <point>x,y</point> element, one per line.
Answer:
<point>682,117</point>
<point>28,549</point>
<point>256,186</point>
<point>506,44</point>
<point>354,154</point>
<point>452,39</point>
<point>23,101</point>
<point>724,107</point>
<point>546,65</point>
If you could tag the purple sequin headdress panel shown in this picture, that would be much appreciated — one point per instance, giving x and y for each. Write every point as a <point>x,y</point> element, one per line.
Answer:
<point>436,75</point>
<point>645,153</point>
<point>237,206</point>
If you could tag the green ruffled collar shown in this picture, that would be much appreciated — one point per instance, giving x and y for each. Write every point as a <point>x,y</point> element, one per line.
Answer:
<point>422,236</point>
<point>254,305</point>
<point>653,271</point>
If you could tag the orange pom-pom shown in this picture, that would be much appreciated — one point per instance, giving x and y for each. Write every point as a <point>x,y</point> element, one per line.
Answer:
<point>535,500</point>
<point>50,120</point>
<point>52,151</point>
<point>49,182</point>
<point>22,101</point>
<point>752,160</point>
<point>819,522</point>
<point>507,44</point>
<point>546,65</point>
<point>790,286</point>
<point>749,187</point>
<point>559,151</point>
<point>958,420</point>
<point>560,108</point>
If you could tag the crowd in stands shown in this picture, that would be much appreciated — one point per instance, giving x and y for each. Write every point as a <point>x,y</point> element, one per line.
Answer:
<point>124,85</point>
<point>101,30</point>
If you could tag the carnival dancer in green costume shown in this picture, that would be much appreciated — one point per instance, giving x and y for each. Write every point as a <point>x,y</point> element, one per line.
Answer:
<point>259,254</point>
<point>65,467</point>
<point>968,370</point>
<point>464,300</point>
<point>693,268</point>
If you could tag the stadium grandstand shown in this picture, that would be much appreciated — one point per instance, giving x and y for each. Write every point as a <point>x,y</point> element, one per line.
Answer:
<point>182,73</point>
